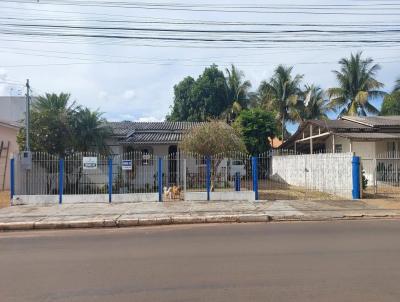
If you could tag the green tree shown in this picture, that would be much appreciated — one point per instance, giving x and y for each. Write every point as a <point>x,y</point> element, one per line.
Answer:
<point>238,93</point>
<point>184,107</point>
<point>212,138</point>
<point>59,127</point>
<point>391,104</point>
<point>200,100</point>
<point>90,131</point>
<point>314,105</point>
<point>357,86</point>
<point>281,95</point>
<point>256,126</point>
<point>50,120</point>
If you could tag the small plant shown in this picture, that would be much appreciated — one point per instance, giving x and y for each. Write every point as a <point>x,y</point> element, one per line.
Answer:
<point>364,180</point>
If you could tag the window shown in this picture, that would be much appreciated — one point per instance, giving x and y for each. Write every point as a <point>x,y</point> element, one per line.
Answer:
<point>338,148</point>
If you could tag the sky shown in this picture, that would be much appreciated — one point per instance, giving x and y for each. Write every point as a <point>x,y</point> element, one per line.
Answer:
<point>124,57</point>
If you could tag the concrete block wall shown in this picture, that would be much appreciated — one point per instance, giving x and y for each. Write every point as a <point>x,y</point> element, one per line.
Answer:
<point>329,173</point>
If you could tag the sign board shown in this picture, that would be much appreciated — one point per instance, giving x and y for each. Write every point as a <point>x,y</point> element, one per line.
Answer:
<point>126,165</point>
<point>146,156</point>
<point>26,160</point>
<point>89,163</point>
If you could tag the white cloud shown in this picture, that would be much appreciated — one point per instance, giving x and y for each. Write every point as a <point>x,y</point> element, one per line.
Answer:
<point>102,95</point>
<point>149,119</point>
<point>3,74</point>
<point>144,92</point>
<point>129,94</point>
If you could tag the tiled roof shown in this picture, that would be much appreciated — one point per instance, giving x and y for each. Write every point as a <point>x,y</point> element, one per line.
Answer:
<point>371,127</point>
<point>338,124</point>
<point>375,121</point>
<point>152,132</point>
<point>153,138</point>
<point>369,135</point>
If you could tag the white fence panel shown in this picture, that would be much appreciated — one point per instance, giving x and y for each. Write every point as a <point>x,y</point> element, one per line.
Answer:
<point>330,173</point>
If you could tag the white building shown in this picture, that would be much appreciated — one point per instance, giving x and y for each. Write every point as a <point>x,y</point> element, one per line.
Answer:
<point>145,142</point>
<point>364,136</point>
<point>376,139</point>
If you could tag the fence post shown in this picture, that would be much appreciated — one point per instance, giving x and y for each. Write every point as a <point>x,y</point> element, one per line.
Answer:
<point>60,180</point>
<point>160,179</point>
<point>208,177</point>
<point>12,180</point>
<point>255,175</point>
<point>110,166</point>
<point>356,177</point>
<point>237,181</point>
<point>184,177</point>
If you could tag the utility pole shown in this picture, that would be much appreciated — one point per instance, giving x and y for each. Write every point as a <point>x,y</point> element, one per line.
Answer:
<point>27,116</point>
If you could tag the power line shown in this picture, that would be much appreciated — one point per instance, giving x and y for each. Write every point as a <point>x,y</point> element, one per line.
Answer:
<point>221,9</point>
<point>137,59</point>
<point>204,22</point>
<point>142,29</point>
<point>197,39</point>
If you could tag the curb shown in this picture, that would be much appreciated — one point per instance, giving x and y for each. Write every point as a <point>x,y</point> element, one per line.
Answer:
<point>121,223</point>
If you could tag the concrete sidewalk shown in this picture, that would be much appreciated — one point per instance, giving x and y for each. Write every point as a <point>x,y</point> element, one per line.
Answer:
<point>154,213</point>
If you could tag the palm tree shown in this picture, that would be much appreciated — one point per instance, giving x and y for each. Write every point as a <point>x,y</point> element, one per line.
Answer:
<point>281,94</point>
<point>238,91</point>
<point>357,86</point>
<point>314,105</point>
<point>91,131</point>
<point>52,102</point>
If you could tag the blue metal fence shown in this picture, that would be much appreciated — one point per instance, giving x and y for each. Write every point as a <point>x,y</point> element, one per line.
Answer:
<point>171,177</point>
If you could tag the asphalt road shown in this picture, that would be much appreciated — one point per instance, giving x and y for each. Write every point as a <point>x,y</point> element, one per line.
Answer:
<point>331,261</point>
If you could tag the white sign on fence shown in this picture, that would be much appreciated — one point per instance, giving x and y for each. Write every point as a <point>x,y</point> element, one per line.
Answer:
<point>127,165</point>
<point>89,163</point>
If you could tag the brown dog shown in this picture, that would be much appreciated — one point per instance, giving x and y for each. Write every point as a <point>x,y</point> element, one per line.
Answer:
<point>173,192</point>
<point>176,192</point>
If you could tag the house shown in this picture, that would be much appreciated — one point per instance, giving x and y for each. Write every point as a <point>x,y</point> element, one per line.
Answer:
<point>149,141</point>
<point>367,137</point>
<point>8,146</point>
<point>159,138</point>
<point>153,140</point>
<point>12,112</point>
<point>375,139</point>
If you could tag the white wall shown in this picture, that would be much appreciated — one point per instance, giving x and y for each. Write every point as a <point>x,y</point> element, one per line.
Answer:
<point>329,173</point>
<point>345,142</point>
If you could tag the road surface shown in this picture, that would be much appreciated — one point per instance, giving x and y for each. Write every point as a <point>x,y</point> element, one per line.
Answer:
<point>327,261</point>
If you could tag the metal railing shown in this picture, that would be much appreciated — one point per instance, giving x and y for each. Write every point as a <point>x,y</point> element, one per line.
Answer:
<point>273,175</point>
<point>381,175</point>
<point>134,172</point>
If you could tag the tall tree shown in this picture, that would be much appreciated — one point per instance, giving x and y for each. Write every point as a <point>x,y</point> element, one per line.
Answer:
<point>50,120</point>
<point>314,105</point>
<point>59,127</point>
<point>90,131</point>
<point>184,107</point>
<point>391,104</point>
<point>200,100</point>
<point>238,90</point>
<point>256,126</point>
<point>281,94</point>
<point>357,86</point>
